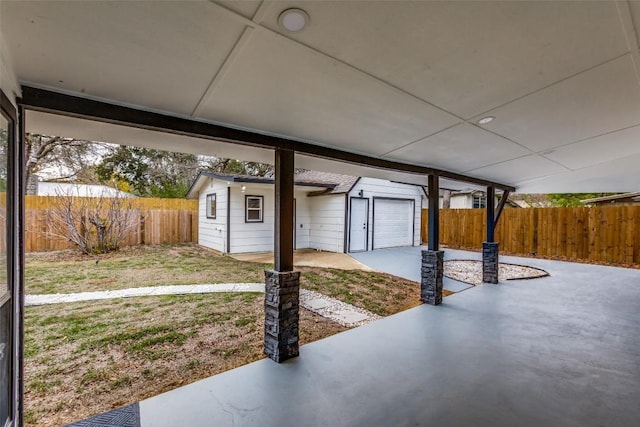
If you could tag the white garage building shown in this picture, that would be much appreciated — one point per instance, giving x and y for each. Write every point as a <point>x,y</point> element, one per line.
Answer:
<point>337,213</point>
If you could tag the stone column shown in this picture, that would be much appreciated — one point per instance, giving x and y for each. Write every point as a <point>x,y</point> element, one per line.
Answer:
<point>490,267</point>
<point>281,306</point>
<point>431,277</point>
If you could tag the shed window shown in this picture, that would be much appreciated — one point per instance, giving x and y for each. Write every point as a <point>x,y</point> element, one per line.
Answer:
<point>211,206</point>
<point>479,201</point>
<point>254,207</point>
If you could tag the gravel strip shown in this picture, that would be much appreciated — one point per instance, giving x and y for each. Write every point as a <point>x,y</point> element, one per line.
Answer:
<point>338,311</point>
<point>469,271</point>
<point>143,291</point>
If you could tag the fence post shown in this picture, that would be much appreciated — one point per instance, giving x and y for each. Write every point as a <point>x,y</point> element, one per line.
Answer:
<point>142,229</point>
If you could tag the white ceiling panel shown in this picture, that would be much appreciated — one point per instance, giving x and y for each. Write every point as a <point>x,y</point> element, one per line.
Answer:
<point>609,147</point>
<point>521,169</point>
<point>450,149</point>
<point>466,57</point>
<point>368,77</point>
<point>314,163</point>
<point>598,101</point>
<point>634,6</point>
<point>279,87</point>
<point>245,8</point>
<point>161,55</point>
<point>620,175</point>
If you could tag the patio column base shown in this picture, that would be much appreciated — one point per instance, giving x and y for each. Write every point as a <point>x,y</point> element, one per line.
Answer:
<point>281,307</point>
<point>490,251</point>
<point>431,277</point>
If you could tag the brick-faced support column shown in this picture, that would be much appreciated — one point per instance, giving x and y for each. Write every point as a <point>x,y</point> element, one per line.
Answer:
<point>281,306</point>
<point>431,277</point>
<point>490,251</point>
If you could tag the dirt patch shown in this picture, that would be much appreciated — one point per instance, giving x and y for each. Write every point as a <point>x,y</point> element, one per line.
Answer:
<point>469,271</point>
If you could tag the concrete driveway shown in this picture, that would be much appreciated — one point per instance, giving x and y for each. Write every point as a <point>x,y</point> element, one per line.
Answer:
<point>405,262</point>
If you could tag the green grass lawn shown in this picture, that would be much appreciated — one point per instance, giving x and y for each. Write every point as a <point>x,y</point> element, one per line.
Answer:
<point>88,357</point>
<point>64,272</point>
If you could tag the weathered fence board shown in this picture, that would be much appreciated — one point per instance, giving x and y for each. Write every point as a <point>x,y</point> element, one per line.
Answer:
<point>604,234</point>
<point>161,221</point>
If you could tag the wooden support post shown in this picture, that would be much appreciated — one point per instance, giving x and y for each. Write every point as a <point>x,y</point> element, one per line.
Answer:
<point>434,212</point>
<point>283,247</point>
<point>491,217</point>
<point>490,249</point>
<point>431,274</point>
<point>282,285</point>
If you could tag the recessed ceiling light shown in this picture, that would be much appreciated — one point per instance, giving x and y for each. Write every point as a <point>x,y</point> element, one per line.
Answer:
<point>486,120</point>
<point>293,20</point>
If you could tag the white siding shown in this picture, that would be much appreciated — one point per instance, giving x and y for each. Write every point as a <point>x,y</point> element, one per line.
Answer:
<point>258,236</point>
<point>212,233</point>
<point>320,220</point>
<point>251,236</point>
<point>327,222</point>
<point>372,187</point>
<point>303,221</point>
<point>461,201</point>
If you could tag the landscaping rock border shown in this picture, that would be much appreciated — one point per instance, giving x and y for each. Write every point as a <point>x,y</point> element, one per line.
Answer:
<point>470,271</point>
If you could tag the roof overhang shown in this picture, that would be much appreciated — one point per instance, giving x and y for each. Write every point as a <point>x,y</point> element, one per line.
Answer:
<point>203,177</point>
<point>635,196</point>
<point>387,83</point>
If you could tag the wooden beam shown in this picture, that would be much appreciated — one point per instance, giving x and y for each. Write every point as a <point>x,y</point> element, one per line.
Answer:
<point>491,219</point>
<point>74,106</point>
<point>283,244</point>
<point>501,204</point>
<point>433,183</point>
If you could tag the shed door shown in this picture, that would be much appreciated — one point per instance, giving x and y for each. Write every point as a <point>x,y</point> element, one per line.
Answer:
<point>393,221</point>
<point>358,225</point>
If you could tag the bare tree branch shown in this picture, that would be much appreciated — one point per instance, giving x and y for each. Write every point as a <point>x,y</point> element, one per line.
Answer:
<point>93,225</point>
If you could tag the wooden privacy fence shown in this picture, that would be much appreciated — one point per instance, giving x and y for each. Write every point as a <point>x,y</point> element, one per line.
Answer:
<point>607,234</point>
<point>161,221</point>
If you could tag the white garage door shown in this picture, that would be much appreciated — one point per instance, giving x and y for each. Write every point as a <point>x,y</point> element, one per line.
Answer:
<point>392,223</point>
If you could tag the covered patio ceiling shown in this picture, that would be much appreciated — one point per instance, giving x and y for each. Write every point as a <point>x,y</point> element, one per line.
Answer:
<point>402,81</point>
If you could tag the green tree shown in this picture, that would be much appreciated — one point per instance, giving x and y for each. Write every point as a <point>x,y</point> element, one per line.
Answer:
<point>221,165</point>
<point>572,199</point>
<point>149,172</point>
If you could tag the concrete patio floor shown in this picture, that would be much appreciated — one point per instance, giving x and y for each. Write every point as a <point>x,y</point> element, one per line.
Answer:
<point>562,350</point>
<point>406,261</point>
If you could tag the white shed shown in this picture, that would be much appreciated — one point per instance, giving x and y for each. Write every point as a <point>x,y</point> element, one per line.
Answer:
<point>336,213</point>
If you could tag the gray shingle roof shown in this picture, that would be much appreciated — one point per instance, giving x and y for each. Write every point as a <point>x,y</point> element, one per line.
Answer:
<point>327,183</point>
<point>343,183</point>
